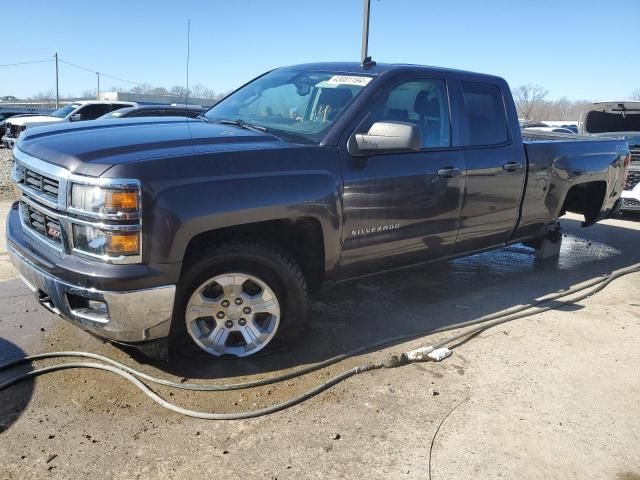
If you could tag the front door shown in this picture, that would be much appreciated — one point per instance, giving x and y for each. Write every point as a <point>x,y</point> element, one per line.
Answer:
<point>403,208</point>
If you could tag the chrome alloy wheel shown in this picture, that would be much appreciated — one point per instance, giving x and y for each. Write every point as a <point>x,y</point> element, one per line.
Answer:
<point>232,314</point>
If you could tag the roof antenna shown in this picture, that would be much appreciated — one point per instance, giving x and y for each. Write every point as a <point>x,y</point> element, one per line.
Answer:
<point>365,58</point>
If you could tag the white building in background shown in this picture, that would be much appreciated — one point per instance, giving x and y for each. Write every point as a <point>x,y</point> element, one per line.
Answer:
<point>155,99</point>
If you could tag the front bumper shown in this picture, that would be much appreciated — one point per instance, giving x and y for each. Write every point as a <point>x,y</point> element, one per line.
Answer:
<point>131,316</point>
<point>8,142</point>
<point>137,304</point>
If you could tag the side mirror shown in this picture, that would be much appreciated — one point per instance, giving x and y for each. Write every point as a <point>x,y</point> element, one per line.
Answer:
<point>390,137</point>
<point>76,118</point>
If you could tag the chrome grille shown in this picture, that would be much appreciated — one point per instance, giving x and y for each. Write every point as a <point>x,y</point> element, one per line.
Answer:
<point>633,178</point>
<point>635,157</point>
<point>37,182</point>
<point>630,202</point>
<point>40,222</point>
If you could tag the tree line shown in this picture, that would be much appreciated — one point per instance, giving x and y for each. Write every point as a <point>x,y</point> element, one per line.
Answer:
<point>532,104</point>
<point>531,100</point>
<point>197,91</point>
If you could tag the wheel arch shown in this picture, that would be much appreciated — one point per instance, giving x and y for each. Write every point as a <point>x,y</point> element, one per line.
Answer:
<point>301,238</point>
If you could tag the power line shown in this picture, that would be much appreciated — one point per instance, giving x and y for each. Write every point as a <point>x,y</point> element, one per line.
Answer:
<point>24,63</point>
<point>95,71</point>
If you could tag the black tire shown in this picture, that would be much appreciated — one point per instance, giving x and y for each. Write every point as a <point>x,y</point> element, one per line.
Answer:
<point>279,271</point>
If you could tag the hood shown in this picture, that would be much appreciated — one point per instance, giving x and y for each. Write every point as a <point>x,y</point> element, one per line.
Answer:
<point>34,119</point>
<point>92,147</point>
<point>612,117</point>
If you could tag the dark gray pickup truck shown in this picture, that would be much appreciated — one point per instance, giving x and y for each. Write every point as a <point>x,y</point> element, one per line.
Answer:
<point>213,231</point>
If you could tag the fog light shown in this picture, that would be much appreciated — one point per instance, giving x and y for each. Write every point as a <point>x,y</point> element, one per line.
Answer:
<point>98,307</point>
<point>83,307</point>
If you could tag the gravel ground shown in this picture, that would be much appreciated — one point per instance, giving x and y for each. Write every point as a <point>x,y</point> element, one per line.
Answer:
<point>555,396</point>
<point>6,163</point>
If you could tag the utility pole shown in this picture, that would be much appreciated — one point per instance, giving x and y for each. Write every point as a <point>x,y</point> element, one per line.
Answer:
<point>57,93</point>
<point>188,51</point>
<point>98,93</point>
<point>365,33</point>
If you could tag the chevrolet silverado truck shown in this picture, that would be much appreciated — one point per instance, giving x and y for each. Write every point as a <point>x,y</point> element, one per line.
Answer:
<point>211,232</point>
<point>619,119</point>
<point>74,112</point>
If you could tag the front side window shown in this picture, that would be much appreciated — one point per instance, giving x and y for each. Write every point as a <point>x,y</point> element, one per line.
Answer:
<point>299,103</point>
<point>484,114</point>
<point>424,103</point>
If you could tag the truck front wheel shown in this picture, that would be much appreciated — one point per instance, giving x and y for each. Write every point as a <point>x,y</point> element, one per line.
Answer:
<point>236,298</point>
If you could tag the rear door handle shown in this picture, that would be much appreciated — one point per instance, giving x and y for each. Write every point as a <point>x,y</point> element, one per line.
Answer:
<point>511,166</point>
<point>448,172</point>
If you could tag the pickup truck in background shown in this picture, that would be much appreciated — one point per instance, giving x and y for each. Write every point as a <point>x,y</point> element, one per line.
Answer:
<point>74,112</point>
<point>211,232</point>
<point>6,114</point>
<point>619,119</point>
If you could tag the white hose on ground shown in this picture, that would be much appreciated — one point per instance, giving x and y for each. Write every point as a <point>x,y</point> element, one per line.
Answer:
<point>484,323</point>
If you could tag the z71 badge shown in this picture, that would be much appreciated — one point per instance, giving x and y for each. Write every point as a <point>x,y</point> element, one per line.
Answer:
<point>374,229</point>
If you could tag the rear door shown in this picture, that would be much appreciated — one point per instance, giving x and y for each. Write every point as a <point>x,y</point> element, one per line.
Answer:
<point>495,168</point>
<point>403,208</point>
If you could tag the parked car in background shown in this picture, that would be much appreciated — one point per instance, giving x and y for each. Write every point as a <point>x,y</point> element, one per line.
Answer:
<point>568,124</point>
<point>6,114</point>
<point>211,232</point>
<point>76,111</point>
<point>549,130</point>
<point>619,119</point>
<point>559,126</point>
<point>156,111</point>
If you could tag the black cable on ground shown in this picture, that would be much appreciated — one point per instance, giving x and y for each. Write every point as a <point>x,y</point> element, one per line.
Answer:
<point>131,374</point>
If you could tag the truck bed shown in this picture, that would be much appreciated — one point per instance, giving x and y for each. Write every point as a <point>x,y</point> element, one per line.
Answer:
<point>567,172</point>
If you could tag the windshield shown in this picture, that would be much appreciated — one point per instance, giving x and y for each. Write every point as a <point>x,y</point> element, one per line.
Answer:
<point>117,113</point>
<point>294,103</point>
<point>64,111</point>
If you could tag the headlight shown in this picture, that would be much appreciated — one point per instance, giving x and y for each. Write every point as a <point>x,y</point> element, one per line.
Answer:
<point>105,201</point>
<point>102,242</point>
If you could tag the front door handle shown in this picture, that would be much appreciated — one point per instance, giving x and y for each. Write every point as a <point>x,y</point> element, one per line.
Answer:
<point>511,166</point>
<point>449,172</point>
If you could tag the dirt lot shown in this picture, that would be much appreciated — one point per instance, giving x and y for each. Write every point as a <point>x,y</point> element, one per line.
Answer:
<point>554,396</point>
<point>6,190</point>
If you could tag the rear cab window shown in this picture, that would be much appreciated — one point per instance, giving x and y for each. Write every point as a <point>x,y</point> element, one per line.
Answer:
<point>484,117</point>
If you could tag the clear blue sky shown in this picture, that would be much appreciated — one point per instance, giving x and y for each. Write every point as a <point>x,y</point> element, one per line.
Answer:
<point>573,48</point>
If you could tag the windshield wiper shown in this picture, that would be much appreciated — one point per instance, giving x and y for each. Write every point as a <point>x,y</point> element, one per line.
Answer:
<point>245,125</point>
<point>203,118</point>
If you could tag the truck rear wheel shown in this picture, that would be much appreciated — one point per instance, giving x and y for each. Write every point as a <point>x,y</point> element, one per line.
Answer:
<point>237,299</point>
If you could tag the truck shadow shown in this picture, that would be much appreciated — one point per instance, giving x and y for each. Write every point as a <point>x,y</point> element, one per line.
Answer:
<point>14,400</point>
<point>366,311</point>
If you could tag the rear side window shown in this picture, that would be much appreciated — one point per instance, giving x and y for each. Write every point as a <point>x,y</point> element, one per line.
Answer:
<point>485,114</point>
